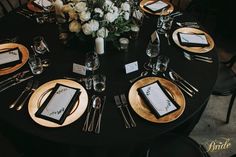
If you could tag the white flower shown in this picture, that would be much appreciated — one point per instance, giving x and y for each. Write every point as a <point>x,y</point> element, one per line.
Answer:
<point>111,17</point>
<point>102,32</point>
<point>74,26</point>
<point>125,6</point>
<point>87,29</point>
<point>114,9</point>
<point>94,25</point>
<point>85,16</point>
<point>107,4</point>
<point>99,11</point>
<point>81,7</point>
<point>126,16</point>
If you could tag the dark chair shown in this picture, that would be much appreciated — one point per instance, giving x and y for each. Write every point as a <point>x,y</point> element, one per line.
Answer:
<point>8,5</point>
<point>226,83</point>
<point>174,145</point>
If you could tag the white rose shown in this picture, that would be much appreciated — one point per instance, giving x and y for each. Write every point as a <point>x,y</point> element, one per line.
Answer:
<point>126,16</point>
<point>81,7</point>
<point>85,16</point>
<point>114,9</point>
<point>94,25</point>
<point>75,26</point>
<point>107,4</point>
<point>99,11</point>
<point>102,32</point>
<point>111,17</point>
<point>87,29</point>
<point>125,6</point>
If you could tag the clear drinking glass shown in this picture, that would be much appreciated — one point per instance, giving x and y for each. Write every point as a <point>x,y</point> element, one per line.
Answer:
<point>92,61</point>
<point>35,65</point>
<point>161,64</point>
<point>99,83</point>
<point>152,51</point>
<point>40,45</point>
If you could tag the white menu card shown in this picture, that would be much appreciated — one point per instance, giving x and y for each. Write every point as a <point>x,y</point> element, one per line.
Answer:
<point>156,6</point>
<point>9,56</point>
<point>193,38</point>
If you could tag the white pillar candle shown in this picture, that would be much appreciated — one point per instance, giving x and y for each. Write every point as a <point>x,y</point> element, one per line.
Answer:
<point>99,43</point>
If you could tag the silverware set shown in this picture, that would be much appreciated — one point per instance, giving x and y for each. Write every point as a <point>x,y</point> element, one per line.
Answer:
<point>198,58</point>
<point>29,89</point>
<point>122,103</point>
<point>182,83</point>
<point>14,80</point>
<point>96,105</point>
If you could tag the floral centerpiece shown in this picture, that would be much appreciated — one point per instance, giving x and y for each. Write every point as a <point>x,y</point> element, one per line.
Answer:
<point>98,18</point>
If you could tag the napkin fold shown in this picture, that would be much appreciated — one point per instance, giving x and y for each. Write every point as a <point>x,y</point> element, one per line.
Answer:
<point>156,6</point>
<point>10,57</point>
<point>193,39</point>
<point>157,98</point>
<point>42,4</point>
<point>58,104</point>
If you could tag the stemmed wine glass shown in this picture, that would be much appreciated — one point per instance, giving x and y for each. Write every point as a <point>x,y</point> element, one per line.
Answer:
<point>152,51</point>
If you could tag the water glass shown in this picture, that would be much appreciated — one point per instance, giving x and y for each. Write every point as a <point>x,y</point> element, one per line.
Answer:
<point>152,51</point>
<point>40,45</point>
<point>92,61</point>
<point>161,64</point>
<point>35,65</point>
<point>164,24</point>
<point>124,44</point>
<point>99,83</point>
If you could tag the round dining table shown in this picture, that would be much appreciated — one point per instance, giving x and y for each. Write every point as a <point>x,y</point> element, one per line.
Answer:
<point>112,64</point>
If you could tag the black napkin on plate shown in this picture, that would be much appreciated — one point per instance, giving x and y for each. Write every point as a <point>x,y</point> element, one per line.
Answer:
<point>10,57</point>
<point>192,39</point>
<point>156,6</point>
<point>157,98</point>
<point>59,103</point>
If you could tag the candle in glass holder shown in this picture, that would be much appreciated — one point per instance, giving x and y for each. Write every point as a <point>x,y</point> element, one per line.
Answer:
<point>99,43</point>
<point>124,44</point>
<point>134,31</point>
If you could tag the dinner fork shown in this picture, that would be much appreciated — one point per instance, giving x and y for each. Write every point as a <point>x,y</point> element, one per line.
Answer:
<point>125,103</point>
<point>119,105</point>
<point>27,88</point>
<point>34,87</point>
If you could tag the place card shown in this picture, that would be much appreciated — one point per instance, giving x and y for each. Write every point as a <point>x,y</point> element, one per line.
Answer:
<point>10,57</point>
<point>156,6</point>
<point>59,103</point>
<point>137,14</point>
<point>157,98</point>
<point>42,3</point>
<point>131,67</point>
<point>192,39</point>
<point>79,69</point>
<point>154,36</point>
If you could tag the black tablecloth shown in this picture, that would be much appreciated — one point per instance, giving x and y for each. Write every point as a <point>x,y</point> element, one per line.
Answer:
<point>200,74</point>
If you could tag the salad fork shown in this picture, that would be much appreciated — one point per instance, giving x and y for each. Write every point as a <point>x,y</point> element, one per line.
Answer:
<point>34,87</point>
<point>124,101</point>
<point>27,88</point>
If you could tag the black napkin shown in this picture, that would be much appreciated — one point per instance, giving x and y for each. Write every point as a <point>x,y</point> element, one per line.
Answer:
<point>193,39</point>
<point>156,6</point>
<point>10,57</point>
<point>157,98</point>
<point>59,103</point>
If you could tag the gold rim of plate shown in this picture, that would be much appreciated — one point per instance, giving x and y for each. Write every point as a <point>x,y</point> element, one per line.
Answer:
<point>142,109</point>
<point>193,49</point>
<point>25,56</point>
<point>40,95</point>
<point>166,12</point>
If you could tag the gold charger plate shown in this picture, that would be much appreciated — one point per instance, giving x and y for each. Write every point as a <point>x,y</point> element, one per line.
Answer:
<point>40,95</point>
<point>25,56</point>
<point>193,49</point>
<point>166,12</point>
<point>142,109</point>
